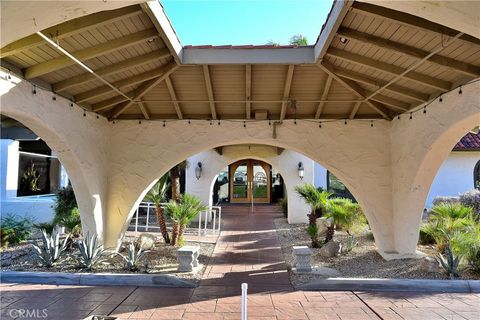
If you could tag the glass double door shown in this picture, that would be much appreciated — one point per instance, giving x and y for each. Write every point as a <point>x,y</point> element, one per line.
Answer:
<point>250,182</point>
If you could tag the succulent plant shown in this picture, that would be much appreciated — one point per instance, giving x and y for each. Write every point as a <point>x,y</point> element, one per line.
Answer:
<point>51,248</point>
<point>134,256</point>
<point>449,262</point>
<point>90,253</point>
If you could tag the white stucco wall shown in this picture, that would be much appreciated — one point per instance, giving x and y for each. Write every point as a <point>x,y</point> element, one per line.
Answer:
<point>455,176</point>
<point>320,176</point>
<point>285,163</point>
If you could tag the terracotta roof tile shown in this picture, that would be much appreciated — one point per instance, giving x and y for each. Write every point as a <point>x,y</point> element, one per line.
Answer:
<point>470,141</point>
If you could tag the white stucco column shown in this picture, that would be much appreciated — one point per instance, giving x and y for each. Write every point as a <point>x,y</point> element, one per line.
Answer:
<point>81,143</point>
<point>419,146</point>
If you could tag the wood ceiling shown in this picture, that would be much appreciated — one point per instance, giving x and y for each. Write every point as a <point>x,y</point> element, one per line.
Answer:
<point>380,63</point>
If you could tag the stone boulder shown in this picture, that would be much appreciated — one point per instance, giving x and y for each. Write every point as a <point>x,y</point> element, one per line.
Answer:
<point>330,249</point>
<point>322,225</point>
<point>429,264</point>
<point>146,241</point>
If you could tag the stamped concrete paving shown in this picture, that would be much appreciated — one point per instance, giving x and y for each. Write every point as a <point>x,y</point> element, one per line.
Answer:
<point>247,251</point>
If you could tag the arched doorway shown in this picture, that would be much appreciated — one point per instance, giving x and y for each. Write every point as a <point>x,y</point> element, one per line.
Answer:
<point>250,181</point>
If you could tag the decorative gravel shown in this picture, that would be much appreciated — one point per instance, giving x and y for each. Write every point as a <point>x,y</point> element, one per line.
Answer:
<point>161,259</point>
<point>362,262</point>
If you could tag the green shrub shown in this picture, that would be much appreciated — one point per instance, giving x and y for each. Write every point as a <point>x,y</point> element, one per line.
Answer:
<point>47,226</point>
<point>472,199</point>
<point>65,204</point>
<point>72,223</point>
<point>345,213</point>
<point>468,245</point>
<point>282,202</point>
<point>426,237</point>
<point>312,231</point>
<point>15,229</point>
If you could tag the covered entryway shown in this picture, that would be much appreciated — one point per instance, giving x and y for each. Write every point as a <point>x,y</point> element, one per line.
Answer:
<point>250,181</point>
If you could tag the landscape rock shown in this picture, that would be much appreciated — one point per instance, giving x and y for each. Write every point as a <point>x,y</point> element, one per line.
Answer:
<point>429,264</point>
<point>146,241</point>
<point>330,249</point>
<point>322,225</point>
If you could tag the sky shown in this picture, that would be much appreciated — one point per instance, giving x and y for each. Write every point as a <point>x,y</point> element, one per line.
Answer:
<point>237,22</point>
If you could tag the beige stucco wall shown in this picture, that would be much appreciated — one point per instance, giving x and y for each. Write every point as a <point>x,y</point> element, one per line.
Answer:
<point>285,163</point>
<point>388,167</point>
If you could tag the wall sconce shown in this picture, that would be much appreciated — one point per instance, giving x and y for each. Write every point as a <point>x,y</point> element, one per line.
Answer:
<point>198,170</point>
<point>301,170</point>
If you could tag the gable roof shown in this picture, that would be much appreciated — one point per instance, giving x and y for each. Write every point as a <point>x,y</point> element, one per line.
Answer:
<point>469,142</point>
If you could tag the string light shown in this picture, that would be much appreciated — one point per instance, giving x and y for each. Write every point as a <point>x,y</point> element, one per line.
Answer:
<point>320,124</point>
<point>113,121</point>
<point>244,124</point>
<point>371,123</point>
<point>164,124</point>
<point>71,104</point>
<point>139,121</point>
<point>345,121</point>
<point>189,122</point>
<point>460,90</point>
<point>211,122</point>
<point>54,98</point>
<point>398,117</point>
<point>411,113</point>
<point>295,121</point>
<point>218,121</point>
<point>9,77</point>
<point>424,110</point>
<point>98,117</point>
<point>34,89</point>
<point>440,99</point>
<point>84,113</point>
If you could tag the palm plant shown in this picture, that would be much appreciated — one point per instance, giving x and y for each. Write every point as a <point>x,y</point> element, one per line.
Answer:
<point>182,213</point>
<point>299,40</point>
<point>468,244</point>
<point>175,179</point>
<point>158,195</point>
<point>317,200</point>
<point>448,219</point>
<point>51,248</point>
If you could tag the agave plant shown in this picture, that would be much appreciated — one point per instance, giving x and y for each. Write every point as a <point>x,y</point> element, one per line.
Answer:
<point>133,257</point>
<point>349,244</point>
<point>158,195</point>
<point>90,252</point>
<point>182,213</point>
<point>449,262</point>
<point>51,248</point>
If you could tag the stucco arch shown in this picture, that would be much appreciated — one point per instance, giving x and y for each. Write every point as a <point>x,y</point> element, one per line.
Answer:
<point>419,147</point>
<point>58,125</point>
<point>363,165</point>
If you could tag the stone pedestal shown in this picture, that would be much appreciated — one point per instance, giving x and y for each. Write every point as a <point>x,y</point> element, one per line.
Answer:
<point>303,258</point>
<point>187,257</point>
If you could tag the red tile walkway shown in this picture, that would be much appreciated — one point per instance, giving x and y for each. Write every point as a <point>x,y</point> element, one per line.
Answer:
<point>247,251</point>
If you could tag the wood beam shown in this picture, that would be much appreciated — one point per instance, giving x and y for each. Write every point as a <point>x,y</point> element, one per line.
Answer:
<point>354,109</point>
<point>409,20</point>
<point>143,89</point>
<point>354,88</point>
<point>111,69</point>
<point>388,101</point>
<point>89,53</point>
<point>92,94</point>
<point>69,28</point>
<point>173,96</point>
<point>208,86</point>
<point>248,90</point>
<point>406,92</point>
<point>144,109</point>
<point>459,66</point>
<point>326,89</point>
<point>286,91</point>
<point>390,69</point>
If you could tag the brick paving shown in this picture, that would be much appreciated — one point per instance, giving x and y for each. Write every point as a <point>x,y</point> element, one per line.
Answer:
<point>247,251</point>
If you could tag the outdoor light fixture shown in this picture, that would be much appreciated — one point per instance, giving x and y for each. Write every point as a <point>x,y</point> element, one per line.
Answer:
<point>301,170</point>
<point>343,40</point>
<point>198,170</point>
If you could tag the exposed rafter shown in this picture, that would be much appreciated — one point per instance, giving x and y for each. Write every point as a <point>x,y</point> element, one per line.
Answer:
<point>354,88</point>
<point>69,28</point>
<point>354,111</point>
<point>248,90</point>
<point>89,53</point>
<point>92,94</point>
<point>173,96</point>
<point>390,102</point>
<point>453,64</point>
<point>358,77</point>
<point>286,91</point>
<point>408,20</point>
<point>390,69</point>
<point>144,110</point>
<point>208,86</point>
<point>111,69</point>
<point>321,104</point>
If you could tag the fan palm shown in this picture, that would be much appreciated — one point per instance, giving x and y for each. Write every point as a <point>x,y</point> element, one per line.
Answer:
<point>175,179</point>
<point>182,212</point>
<point>158,195</point>
<point>317,200</point>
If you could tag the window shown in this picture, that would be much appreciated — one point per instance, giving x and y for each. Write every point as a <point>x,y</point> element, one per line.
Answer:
<point>39,173</point>
<point>476,176</point>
